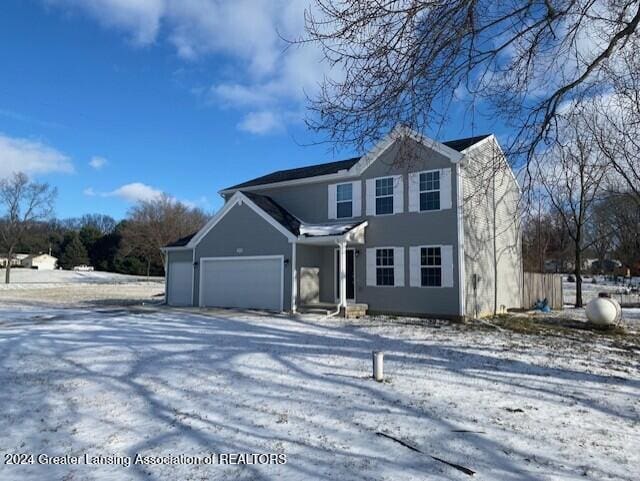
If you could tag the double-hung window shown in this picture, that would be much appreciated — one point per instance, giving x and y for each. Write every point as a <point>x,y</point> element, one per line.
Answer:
<point>430,267</point>
<point>384,196</point>
<point>344,200</point>
<point>430,190</point>
<point>384,267</point>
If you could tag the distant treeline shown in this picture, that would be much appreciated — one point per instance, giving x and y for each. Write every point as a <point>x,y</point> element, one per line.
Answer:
<point>129,246</point>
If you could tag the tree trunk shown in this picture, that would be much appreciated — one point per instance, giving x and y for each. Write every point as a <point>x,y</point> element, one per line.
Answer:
<point>148,268</point>
<point>7,273</point>
<point>578,273</point>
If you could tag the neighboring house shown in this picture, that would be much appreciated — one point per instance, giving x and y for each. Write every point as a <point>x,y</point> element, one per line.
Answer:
<point>16,260</point>
<point>414,227</point>
<point>40,261</point>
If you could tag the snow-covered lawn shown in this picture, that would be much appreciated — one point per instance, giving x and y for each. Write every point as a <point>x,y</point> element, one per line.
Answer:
<point>591,290</point>
<point>157,381</point>
<point>21,276</point>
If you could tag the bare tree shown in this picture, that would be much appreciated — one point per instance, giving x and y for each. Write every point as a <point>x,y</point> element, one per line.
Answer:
<point>572,176</point>
<point>406,61</point>
<point>152,224</point>
<point>24,203</point>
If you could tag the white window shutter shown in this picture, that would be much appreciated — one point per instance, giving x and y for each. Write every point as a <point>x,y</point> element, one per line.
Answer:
<point>371,196</point>
<point>446,253</point>
<point>445,188</point>
<point>398,194</point>
<point>414,192</point>
<point>357,198</point>
<point>414,266</point>
<point>332,206</point>
<point>371,266</point>
<point>398,266</point>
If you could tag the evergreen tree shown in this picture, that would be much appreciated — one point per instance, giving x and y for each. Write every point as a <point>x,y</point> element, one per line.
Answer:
<point>74,253</point>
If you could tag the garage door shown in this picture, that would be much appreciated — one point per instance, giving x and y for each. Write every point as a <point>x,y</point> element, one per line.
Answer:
<point>179,284</point>
<point>242,282</point>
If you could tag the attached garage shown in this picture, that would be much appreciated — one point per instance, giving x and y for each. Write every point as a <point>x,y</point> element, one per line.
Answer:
<point>252,282</point>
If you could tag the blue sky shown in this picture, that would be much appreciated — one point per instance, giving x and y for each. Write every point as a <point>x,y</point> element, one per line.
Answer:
<point>116,100</point>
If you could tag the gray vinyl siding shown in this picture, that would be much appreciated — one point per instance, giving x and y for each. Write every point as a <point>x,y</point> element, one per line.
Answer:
<point>487,184</point>
<point>309,203</point>
<point>242,228</point>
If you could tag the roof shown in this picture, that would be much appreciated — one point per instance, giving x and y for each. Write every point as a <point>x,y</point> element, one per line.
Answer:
<point>300,173</point>
<point>337,166</point>
<point>183,241</point>
<point>462,144</point>
<point>275,210</point>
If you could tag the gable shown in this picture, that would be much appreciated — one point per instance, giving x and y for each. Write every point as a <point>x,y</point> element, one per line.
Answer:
<point>240,228</point>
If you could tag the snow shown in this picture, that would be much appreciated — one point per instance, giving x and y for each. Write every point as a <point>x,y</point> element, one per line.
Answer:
<point>591,290</point>
<point>159,381</point>
<point>35,276</point>
<point>325,229</point>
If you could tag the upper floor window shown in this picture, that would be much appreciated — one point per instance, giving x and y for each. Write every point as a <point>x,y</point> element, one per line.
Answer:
<point>384,196</point>
<point>344,200</point>
<point>384,267</point>
<point>430,267</point>
<point>430,190</point>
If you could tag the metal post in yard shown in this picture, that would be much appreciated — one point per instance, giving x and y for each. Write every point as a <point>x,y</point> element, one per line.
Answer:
<point>378,366</point>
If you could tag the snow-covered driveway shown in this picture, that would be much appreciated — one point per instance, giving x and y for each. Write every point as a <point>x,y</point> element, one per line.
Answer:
<point>116,382</point>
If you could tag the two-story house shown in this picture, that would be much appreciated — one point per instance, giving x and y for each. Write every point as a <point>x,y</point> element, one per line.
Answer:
<point>434,236</point>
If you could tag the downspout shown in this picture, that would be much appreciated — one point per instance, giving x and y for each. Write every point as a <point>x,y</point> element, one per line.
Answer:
<point>294,279</point>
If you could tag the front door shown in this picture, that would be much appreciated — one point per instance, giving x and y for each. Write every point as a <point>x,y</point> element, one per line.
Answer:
<point>351,274</point>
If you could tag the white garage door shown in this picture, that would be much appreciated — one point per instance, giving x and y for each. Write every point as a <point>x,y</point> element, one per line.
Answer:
<point>242,282</point>
<point>179,284</point>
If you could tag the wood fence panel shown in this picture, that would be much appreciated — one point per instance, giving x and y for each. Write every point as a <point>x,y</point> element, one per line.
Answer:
<point>536,285</point>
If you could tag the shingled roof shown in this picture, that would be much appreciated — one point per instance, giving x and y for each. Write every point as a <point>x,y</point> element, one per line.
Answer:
<point>275,210</point>
<point>183,241</point>
<point>335,167</point>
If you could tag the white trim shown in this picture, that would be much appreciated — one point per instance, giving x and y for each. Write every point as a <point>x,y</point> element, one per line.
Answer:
<point>364,162</point>
<point>397,133</point>
<point>244,258</point>
<point>294,279</point>
<point>338,176</point>
<point>193,276</point>
<point>175,248</point>
<point>238,198</point>
<point>335,259</point>
<point>462,295</point>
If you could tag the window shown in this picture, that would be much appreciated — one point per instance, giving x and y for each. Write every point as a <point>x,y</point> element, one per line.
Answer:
<point>430,267</point>
<point>430,190</point>
<point>384,196</point>
<point>344,198</point>
<point>384,267</point>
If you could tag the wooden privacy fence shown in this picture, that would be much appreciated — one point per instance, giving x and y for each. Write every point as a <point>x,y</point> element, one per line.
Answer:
<point>536,285</point>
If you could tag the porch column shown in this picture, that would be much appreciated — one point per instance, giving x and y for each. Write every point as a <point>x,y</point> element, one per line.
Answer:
<point>343,274</point>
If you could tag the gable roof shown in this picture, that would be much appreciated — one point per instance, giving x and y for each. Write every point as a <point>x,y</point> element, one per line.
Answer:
<point>299,173</point>
<point>275,210</point>
<point>462,144</point>
<point>183,241</point>
<point>334,167</point>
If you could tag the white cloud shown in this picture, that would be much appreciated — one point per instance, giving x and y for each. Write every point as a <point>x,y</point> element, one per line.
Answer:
<point>138,191</point>
<point>266,71</point>
<point>98,162</point>
<point>261,123</point>
<point>31,157</point>
<point>138,18</point>
<point>135,192</point>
